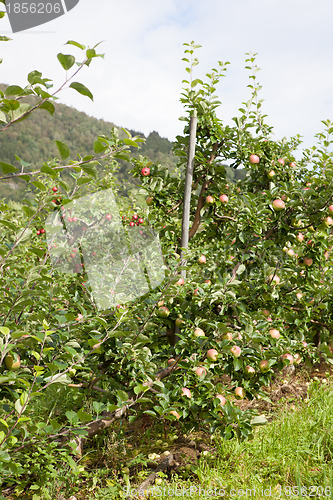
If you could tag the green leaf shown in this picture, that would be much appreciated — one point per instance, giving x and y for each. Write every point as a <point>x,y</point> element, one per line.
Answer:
<point>66,60</point>
<point>7,168</point>
<point>4,39</point>
<point>48,106</point>
<point>79,45</point>
<point>89,169</point>
<point>122,395</point>
<point>84,416</point>
<point>79,87</point>
<point>19,403</point>
<point>48,170</point>
<point>4,330</point>
<point>14,90</point>
<point>63,150</point>
<point>39,185</point>
<point>99,147</point>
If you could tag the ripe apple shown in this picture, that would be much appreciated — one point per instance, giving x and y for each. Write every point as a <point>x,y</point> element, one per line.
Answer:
<point>254,159</point>
<point>195,293</point>
<point>149,201</point>
<point>175,414</point>
<point>287,359</point>
<point>227,336</point>
<point>198,332</point>
<point>180,282</point>
<point>12,361</point>
<point>300,237</point>
<point>273,278</point>
<point>221,398</point>
<point>299,295</point>
<point>239,393</point>
<point>236,351</point>
<point>328,221</point>
<point>264,366</point>
<point>145,171</point>
<point>42,231</point>
<point>54,189</point>
<point>308,261</point>
<point>209,200</point>
<point>265,313</point>
<point>281,161</point>
<point>140,220</point>
<point>201,371</point>
<point>186,392</point>
<point>278,205</point>
<point>179,322</point>
<point>202,260</point>
<point>330,208</point>
<point>163,312</point>
<point>224,198</point>
<point>271,174</point>
<point>212,354</point>
<point>108,217</point>
<point>305,344</point>
<point>132,223</point>
<point>291,252</point>
<point>292,164</point>
<point>274,333</point>
<point>208,282</point>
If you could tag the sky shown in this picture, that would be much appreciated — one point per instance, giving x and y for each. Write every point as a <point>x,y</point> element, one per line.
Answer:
<point>138,83</point>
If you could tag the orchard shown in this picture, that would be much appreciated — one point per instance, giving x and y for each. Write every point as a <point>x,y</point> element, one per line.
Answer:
<point>189,349</point>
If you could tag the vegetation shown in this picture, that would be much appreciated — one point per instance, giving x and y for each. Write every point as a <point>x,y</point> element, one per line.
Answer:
<point>107,321</point>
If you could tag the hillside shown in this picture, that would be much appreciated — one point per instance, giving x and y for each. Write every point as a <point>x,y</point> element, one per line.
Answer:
<point>33,141</point>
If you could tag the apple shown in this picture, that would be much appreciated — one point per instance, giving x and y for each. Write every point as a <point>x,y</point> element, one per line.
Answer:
<point>291,252</point>
<point>273,278</point>
<point>278,205</point>
<point>287,359</point>
<point>265,313</point>
<point>108,217</point>
<point>42,231</point>
<point>305,344</point>
<point>160,303</point>
<point>140,220</point>
<point>135,216</point>
<point>292,164</point>
<point>221,398</point>
<point>198,332</point>
<point>249,371</point>
<point>201,371</point>
<point>145,171</point>
<point>264,366</point>
<point>299,295</point>
<point>179,322</point>
<point>212,354</point>
<point>208,282</point>
<point>300,237</point>
<point>330,208</point>
<point>328,221</point>
<point>274,333</point>
<point>38,232</point>
<point>281,161</point>
<point>236,351</point>
<point>171,361</point>
<point>227,336</point>
<point>132,224</point>
<point>186,392</point>
<point>308,261</point>
<point>149,201</point>
<point>202,260</point>
<point>209,200</point>
<point>180,282</point>
<point>54,189</point>
<point>163,312</point>
<point>254,159</point>
<point>12,361</point>
<point>297,358</point>
<point>239,393</point>
<point>224,198</point>
<point>175,414</point>
<point>195,293</point>
<point>271,174</point>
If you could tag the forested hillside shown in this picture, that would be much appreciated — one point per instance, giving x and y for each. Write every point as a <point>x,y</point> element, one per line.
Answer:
<point>33,140</point>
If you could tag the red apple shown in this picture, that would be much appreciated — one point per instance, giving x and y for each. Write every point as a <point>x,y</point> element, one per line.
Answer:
<point>195,293</point>
<point>145,171</point>
<point>292,164</point>
<point>300,237</point>
<point>254,159</point>
<point>198,332</point>
<point>328,221</point>
<point>209,200</point>
<point>221,398</point>
<point>299,295</point>
<point>140,220</point>
<point>186,392</point>
<point>265,313</point>
<point>287,359</point>
<point>132,223</point>
<point>38,232</point>
<point>278,205</point>
<point>264,366</point>
<point>54,189</point>
<point>202,259</point>
<point>163,312</point>
<point>224,198</point>
<point>274,279</point>
<point>291,252</point>
<point>274,333</point>
<point>201,371</point>
<point>42,231</point>
<point>239,393</point>
<point>236,351</point>
<point>308,261</point>
<point>74,219</point>
<point>180,282</point>
<point>281,161</point>
<point>212,354</point>
<point>330,208</point>
<point>208,282</point>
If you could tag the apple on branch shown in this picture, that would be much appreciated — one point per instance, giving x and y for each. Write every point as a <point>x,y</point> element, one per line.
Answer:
<point>212,354</point>
<point>254,159</point>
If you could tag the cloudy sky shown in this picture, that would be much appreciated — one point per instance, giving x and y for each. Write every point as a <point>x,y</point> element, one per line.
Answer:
<point>138,83</point>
